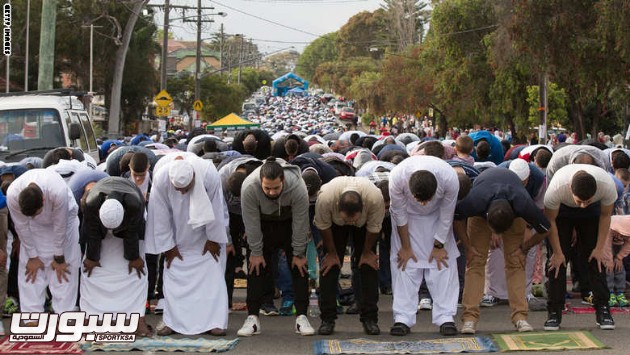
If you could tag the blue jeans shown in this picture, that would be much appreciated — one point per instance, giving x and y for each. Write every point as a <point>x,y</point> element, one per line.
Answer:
<point>284,279</point>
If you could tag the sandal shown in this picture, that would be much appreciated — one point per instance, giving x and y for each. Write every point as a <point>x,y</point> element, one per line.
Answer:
<point>147,334</point>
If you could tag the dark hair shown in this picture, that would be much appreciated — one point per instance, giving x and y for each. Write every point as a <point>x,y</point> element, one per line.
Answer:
<point>170,142</point>
<point>500,216</point>
<point>235,183</point>
<point>31,199</point>
<point>353,138</point>
<point>210,146</point>
<point>483,150</point>
<point>434,149</point>
<point>622,174</point>
<point>291,147</point>
<point>271,170</point>
<point>506,145</point>
<point>123,163</point>
<point>313,181</point>
<point>350,202</point>
<point>383,185</point>
<point>584,158</point>
<point>583,185</point>
<point>139,162</point>
<point>464,186</point>
<point>620,160</point>
<point>423,185</point>
<point>542,157</point>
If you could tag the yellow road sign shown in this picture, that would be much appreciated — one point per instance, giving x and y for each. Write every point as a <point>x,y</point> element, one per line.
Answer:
<point>163,99</point>
<point>198,105</point>
<point>162,111</point>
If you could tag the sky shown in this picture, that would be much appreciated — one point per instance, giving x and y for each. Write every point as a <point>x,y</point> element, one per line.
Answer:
<point>263,20</point>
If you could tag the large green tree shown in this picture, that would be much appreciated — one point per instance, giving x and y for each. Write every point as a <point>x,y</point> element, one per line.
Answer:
<point>321,50</point>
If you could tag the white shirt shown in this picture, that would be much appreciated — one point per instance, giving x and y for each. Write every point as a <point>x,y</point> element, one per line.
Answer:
<point>559,190</point>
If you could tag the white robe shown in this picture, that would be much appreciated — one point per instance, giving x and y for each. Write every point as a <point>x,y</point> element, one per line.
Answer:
<point>111,288</point>
<point>195,292</point>
<point>426,224</point>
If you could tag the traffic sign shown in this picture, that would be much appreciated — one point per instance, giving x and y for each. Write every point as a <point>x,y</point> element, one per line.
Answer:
<point>198,105</point>
<point>163,99</point>
<point>162,111</point>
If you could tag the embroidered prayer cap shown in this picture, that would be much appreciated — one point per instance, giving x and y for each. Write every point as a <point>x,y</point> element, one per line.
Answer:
<point>111,213</point>
<point>180,173</point>
<point>521,168</point>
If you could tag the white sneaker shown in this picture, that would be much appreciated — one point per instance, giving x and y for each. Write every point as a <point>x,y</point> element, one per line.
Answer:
<point>302,326</point>
<point>1,328</point>
<point>468,327</point>
<point>523,326</point>
<point>425,304</point>
<point>250,327</point>
<point>489,301</point>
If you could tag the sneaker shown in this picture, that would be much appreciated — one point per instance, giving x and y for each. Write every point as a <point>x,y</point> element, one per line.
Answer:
<point>448,329</point>
<point>621,300</point>
<point>489,301</point>
<point>469,327</point>
<point>537,304</point>
<point>11,306</point>
<point>302,326</point>
<point>604,319</point>
<point>522,326</point>
<point>269,310</point>
<point>287,309</point>
<point>425,304</point>
<point>553,321</point>
<point>588,299</point>
<point>159,307</point>
<point>250,327</point>
<point>612,300</point>
<point>354,309</point>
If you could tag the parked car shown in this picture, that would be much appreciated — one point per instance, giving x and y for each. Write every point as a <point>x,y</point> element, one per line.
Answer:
<point>347,114</point>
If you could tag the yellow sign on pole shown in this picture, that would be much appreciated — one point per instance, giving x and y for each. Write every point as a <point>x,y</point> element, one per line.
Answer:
<point>162,111</point>
<point>163,99</point>
<point>198,105</point>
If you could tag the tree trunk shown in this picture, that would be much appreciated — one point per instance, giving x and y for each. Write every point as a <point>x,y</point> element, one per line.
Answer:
<point>121,55</point>
<point>512,127</point>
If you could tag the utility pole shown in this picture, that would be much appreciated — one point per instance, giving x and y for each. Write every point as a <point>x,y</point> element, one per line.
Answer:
<point>28,25</point>
<point>543,109</point>
<point>164,46</point>
<point>240,59</point>
<point>198,58</point>
<point>221,50</point>
<point>47,45</point>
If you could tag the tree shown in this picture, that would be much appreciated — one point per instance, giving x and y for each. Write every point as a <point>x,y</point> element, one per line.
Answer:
<point>282,62</point>
<point>556,105</point>
<point>406,21</point>
<point>320,51</point>
<point>363,31</point>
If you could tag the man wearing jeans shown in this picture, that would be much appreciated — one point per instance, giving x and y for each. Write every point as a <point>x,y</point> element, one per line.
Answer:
<point>579,197</point>
<point>349,207</point>
<point>498,207</point>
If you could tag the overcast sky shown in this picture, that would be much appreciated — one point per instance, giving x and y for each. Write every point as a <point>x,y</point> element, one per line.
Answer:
<point>305,20</point>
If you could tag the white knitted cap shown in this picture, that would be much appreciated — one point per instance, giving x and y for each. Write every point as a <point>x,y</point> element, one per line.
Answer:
<point>180,173</point>
<point>111,213</point>
<point>521,168</point>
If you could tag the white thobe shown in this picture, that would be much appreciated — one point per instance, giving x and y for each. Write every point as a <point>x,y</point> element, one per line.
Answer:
<point>195,293</point>
<point>111,288</point>
<point>54,231</point>
<point>426,224</point>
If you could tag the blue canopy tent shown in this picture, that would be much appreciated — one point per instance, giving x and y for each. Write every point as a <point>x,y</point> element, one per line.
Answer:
<point>288,81</point>
<point>296,92</point>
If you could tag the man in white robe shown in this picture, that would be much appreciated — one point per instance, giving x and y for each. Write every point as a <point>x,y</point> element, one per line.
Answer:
<point>186,222</point>
<point>423,192</point>
<point>114,278</point>
<point>45,216</point>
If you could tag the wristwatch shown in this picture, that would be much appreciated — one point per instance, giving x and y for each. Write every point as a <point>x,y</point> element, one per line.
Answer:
<point>438,245</point>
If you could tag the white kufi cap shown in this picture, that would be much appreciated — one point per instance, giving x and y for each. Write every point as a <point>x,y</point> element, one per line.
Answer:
<point>111,213</point>
<point>520,168</point>
<point>180,173</point>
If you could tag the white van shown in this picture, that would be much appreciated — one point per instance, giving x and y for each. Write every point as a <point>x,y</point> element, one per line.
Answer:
<point>32,123</point>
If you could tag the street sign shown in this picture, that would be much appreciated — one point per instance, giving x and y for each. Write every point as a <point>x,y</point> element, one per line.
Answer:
<point>198,105</point>
<point>163,99</point>
<point>162,111</point>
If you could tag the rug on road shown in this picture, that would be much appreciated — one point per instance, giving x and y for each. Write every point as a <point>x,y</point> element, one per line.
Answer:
<point>570,340</point>
<point>432,346</point>
<point>51,347</point>
<point>591,310</point>
<point>166,344</point>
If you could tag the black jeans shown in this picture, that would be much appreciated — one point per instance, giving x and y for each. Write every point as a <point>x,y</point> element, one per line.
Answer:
<point>368,303</point>
<point>152,261</point>
<point>233,261</point>
<point>586,227</point>
<point>276,235</point>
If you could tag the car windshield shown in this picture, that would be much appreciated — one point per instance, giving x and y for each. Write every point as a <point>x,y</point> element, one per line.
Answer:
<point>347,109</point>
<point>30,128</point>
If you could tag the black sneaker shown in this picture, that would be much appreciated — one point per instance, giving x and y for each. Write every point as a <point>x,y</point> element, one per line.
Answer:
<point>553,321</point>
<point>399,329</point>
<point>354,309</point>
<point>370,327</point>
<point>604,319</point>
<point>326,328</point>
<point>448,329</point>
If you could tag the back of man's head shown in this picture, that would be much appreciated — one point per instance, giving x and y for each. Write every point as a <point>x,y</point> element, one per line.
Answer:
<point>350,202</point>
<point>423,185</point>
<point>620,160</point>
<point>584,158</point>
<point>464,144</point>
<point>583,185</point>
<point>235,182</point>
<point>500,216</point>
<point>291,147</point>
<point>31,199</point>
<point>542,157</point>
<point>139,162</point>
<point>464,186</point>
<point>434,149</point>
<point>312,180</point>
<point>210,146</point>
<point>483,150</point>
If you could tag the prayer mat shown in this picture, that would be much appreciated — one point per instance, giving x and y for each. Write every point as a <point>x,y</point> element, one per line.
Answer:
<point>165,344</point>
<point>431,346</point>
<point>52,347</point>
<point>569,340</point>
<point>240,283</point>
<point>590,310</point>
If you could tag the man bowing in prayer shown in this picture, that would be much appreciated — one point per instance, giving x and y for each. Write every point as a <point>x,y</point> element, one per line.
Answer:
<point>114,278</point>
<point>186,222</point>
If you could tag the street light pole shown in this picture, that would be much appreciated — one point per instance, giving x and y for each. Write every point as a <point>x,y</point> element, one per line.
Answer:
<point>28,25</point>
<point>164,46</point>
